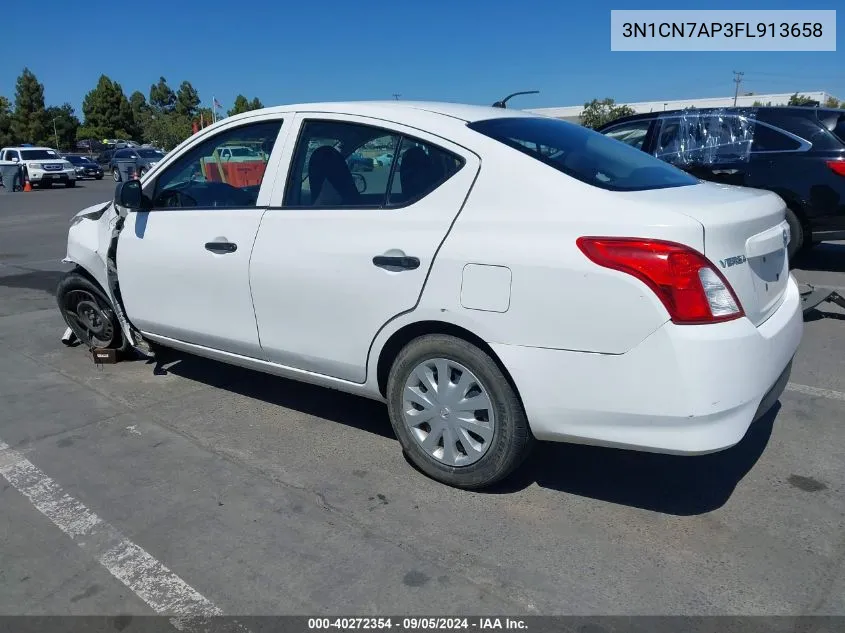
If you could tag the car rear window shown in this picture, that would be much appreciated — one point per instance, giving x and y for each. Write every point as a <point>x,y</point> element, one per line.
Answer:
<point>839,129</point>
<point>586,155</point>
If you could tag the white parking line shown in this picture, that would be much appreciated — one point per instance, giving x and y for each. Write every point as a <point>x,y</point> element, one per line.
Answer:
<point>165,592</point>
<point>816,391</point>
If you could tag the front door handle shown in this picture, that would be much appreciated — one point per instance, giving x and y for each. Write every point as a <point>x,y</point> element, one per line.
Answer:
<point>221,247</point>
<point>396,263</point>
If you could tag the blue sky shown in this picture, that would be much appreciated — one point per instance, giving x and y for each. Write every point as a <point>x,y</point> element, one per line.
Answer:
<point>457,50</point>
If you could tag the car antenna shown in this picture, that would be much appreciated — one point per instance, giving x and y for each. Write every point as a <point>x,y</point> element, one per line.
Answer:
<point>503,102</point>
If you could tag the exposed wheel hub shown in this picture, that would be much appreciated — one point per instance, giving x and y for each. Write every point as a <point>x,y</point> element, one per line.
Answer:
<point>91,320</point>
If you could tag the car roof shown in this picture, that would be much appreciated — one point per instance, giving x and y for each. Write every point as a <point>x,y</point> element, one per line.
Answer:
<point>398,110</point>
<point>729,109</point>
<point>29,147</point>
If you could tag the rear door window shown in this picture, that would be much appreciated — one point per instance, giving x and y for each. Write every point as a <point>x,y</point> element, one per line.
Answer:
<point>581,153</point>
<point>632,133</point>
<point>767,139</point>
<point>343,165</point>
<point>839,128</point>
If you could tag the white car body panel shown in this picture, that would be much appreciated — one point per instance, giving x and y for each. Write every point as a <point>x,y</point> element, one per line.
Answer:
<point>340,298</point>
<point>173,287</point>
<point>88,242</point>
<point>592,351</point>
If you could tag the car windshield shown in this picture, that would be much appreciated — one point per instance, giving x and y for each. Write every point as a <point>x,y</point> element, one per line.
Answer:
<point>38,154</point>
<point>586,155</point>
<point>77,160</point>
<point>149,153</point>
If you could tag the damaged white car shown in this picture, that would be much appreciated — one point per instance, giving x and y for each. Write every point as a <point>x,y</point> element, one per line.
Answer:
<point>506,277</point>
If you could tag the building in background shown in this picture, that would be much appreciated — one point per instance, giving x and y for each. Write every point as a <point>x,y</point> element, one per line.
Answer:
<point>573,113</point>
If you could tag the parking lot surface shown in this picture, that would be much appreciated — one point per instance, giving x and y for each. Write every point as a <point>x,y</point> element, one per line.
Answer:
<point>248,494</point>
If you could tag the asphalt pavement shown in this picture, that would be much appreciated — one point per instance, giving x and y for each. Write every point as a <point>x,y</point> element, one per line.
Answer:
<point>127,492</point>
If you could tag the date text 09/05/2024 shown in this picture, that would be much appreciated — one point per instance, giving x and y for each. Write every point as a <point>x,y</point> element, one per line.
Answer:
<point>417,623</point>
<point>722,29</point>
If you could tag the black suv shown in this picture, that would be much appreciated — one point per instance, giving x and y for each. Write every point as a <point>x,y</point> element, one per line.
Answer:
<point>796,152</point>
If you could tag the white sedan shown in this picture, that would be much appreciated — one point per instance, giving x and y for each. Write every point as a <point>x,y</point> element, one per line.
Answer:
<point>509,277</point>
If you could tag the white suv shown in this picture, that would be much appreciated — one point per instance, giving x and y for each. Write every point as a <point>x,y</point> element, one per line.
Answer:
<point>42,165</point>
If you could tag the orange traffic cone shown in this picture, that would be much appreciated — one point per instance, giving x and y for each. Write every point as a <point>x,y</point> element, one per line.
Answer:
<point>27,186</point>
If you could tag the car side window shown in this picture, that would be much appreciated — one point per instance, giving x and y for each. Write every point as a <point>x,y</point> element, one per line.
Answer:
<point>201,178</point>
<point>420,169</point>
<point>632,133</point>
<point>767,139</point>
<point>335,166</point>
<point>349,165</point>
<point>668,141</point>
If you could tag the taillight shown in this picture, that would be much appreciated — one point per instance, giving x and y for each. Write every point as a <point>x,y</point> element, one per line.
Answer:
<point>838,166</point>
<point>690,287</point>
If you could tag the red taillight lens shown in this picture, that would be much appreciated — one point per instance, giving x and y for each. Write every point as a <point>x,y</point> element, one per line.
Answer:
<point>690,287</point>
<point>838,166</point>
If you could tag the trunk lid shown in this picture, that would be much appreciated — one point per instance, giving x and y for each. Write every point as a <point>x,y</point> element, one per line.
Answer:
<point>745,236</point>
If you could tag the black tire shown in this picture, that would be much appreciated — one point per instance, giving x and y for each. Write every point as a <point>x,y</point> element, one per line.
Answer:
<point>115,173</point>
<point>99,177</point>
<point>797,237</point>
<point>512,439</point>
<point>73,289</point>
<point>70,184</point>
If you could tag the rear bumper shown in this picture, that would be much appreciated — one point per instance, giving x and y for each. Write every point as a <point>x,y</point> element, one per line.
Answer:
<point>684,389</point>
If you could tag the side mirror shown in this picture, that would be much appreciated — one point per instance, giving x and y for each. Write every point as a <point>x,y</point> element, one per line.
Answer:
<point>129,195</point>
<point>15,159</point>
<point>360,182</point>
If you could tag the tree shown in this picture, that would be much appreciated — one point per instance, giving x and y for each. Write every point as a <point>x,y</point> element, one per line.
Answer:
<point>29,123</point>
<point>833,102</point>
<point>187,100</point>
<point>244,105</point>
<point>597,113</point>
<point>141,113</point>
<point>66,126</point>
<point>801,100</point>
<point>162,98</point>
<point>167,130</point>
<point>6,137</point>
<point>107,112</point>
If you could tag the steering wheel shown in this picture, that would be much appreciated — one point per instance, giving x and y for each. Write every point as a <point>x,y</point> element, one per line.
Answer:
<point>176,196</point>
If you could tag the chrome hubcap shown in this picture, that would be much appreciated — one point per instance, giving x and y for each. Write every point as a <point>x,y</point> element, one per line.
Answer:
<point>448,412</point>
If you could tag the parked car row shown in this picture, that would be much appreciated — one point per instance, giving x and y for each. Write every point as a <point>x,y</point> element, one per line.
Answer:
<point>511,277</point>
<point>796,152</point>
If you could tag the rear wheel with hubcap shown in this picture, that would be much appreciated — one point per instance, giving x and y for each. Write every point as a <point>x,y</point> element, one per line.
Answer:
<point>455,413</point>
<point>115,173</point>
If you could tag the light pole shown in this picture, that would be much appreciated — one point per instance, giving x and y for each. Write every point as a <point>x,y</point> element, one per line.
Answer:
<point>56,134</point>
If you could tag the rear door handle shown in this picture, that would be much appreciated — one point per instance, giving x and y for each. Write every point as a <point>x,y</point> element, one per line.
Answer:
<point>402,263</point>
<point>221,247</point>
